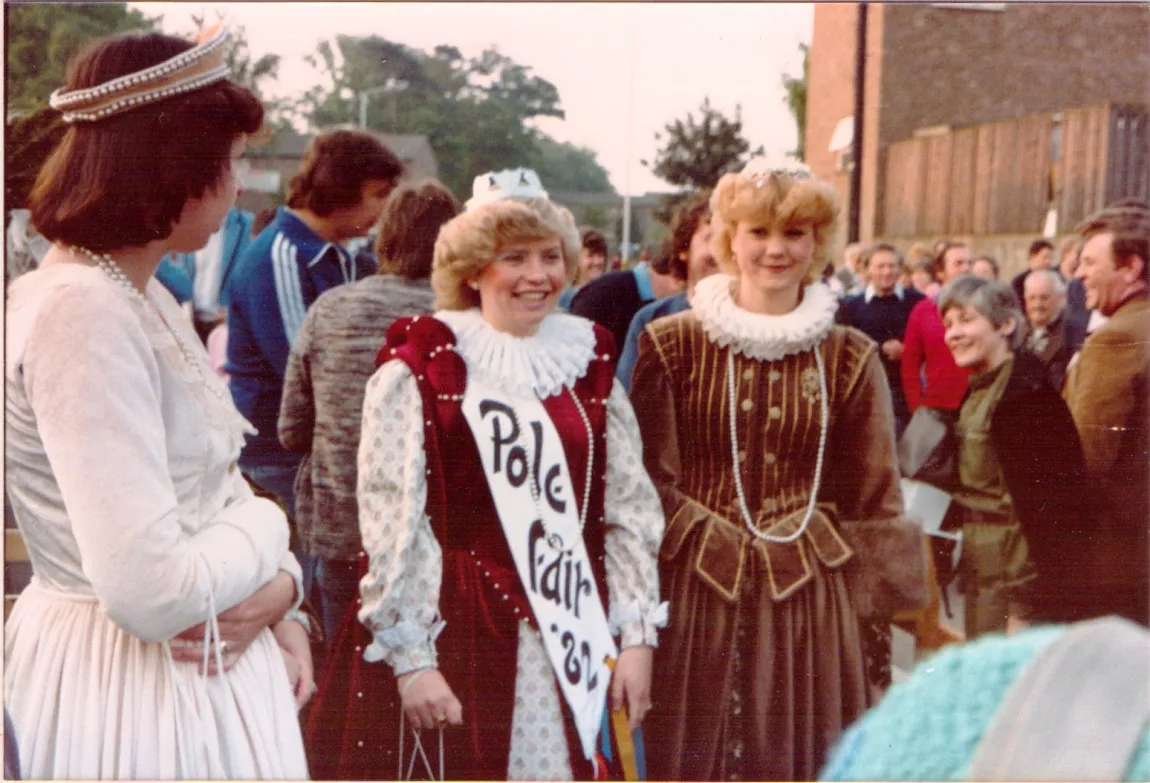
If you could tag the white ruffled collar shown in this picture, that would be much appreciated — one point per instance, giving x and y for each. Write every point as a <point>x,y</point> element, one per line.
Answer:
<point>763,337</point>
<point>541,365</point>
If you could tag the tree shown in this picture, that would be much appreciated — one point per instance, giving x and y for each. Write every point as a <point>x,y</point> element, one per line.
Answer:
<point>697,152</point>
<point>566,168</point>
<point>475,112</point>
<point>796,100</point>
<point>42,37</point>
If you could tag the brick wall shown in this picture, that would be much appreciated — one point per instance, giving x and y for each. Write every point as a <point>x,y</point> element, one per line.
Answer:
<point>963,67</point>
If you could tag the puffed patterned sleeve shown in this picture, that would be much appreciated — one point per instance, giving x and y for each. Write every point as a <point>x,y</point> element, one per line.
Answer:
<point>634,518</point>
<point>94,385</point>
<point>405,564</point>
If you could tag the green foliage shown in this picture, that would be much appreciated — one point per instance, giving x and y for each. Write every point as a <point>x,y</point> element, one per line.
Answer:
<point>30,140</point>
<point>42,37</point>
<point>595,216</point>
<point>475,112</point>
<point>796,100</point>
<point>566,168</point>
<point>696,153</point>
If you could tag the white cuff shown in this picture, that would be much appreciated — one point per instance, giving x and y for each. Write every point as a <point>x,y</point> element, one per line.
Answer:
<point>634,627</point>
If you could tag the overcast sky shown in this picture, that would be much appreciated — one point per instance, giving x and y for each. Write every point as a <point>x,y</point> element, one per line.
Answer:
<point>678,53</point>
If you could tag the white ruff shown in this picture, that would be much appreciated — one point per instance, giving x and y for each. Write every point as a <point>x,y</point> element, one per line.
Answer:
<point>538,366</point>
<point>763,337</point>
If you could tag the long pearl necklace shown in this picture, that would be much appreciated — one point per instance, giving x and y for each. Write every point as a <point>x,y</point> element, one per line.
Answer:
<point>825,411</point>
<point>109,267</point>
<point>553,538</point>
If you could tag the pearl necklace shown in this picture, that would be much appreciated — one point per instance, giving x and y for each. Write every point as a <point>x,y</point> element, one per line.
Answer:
<point>825,411</point>
<point>553,538</point>
<point>109,267</point>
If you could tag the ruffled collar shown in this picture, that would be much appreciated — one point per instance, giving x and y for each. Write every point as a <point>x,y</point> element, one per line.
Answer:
<point>763,337</point>
<point>541,365</point>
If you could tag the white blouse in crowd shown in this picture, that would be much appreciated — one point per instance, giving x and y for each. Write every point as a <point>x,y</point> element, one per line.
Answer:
<point>401,591</point>
<point>121,471</point>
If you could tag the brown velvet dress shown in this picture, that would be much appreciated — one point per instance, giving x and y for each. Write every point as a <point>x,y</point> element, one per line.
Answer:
<point>761,667</point>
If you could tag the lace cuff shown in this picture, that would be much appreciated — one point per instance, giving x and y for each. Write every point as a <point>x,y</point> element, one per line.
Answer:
<point>405,646</point>
<point>635,628</point>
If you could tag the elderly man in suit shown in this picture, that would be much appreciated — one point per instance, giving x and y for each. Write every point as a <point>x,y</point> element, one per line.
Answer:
<point>1108,392</point>
<point>1049,333</point>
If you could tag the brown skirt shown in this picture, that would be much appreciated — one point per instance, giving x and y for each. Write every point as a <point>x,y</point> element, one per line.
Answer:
<point>752,689</point>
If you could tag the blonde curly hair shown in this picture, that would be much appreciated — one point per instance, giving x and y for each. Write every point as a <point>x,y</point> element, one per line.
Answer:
<point>472,240</point>
<point>776,200</point>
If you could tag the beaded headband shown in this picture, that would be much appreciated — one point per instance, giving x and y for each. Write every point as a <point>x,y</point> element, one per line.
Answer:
<point>499,185</point>
<point>191,70</point>
<point>759,169</point>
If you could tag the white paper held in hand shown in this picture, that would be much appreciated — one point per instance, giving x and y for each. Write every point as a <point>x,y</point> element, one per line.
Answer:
<point>928,504</point>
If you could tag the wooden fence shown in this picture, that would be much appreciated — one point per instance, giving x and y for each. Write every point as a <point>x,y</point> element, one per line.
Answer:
<point>1001,178</point>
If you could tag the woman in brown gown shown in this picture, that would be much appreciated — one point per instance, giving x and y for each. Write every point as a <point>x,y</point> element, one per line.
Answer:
<point>754,407</point>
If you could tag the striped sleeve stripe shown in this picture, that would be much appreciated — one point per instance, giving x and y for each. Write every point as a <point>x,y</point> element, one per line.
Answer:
<point>288,291</point>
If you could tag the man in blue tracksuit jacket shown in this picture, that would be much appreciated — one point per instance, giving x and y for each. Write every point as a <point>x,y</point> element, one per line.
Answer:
<point>338,194</point>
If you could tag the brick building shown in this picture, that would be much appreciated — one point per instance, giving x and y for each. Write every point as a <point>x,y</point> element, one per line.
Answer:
<point>1016,75</point>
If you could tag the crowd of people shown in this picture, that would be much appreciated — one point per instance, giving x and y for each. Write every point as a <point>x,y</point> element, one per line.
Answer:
<point>471,504</point>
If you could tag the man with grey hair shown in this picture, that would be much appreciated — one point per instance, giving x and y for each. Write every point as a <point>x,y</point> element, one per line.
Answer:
<point>1049,334</point>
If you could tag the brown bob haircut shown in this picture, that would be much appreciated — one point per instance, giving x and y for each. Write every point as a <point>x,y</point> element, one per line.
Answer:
<point>409,226</point>
<point>1128,222</point>
<point>122,181</point>
<point>334,169</point>
<point>689,215</point>
<point>473,239</point>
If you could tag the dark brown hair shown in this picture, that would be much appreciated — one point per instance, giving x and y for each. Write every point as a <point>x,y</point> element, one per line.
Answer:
<point>688,216</point>
<point>334,169</point>
<point>1128,222</point>
<point>408,228</point>
<point>942,247</point>
<point>124,180</point>
<point>594,242</point>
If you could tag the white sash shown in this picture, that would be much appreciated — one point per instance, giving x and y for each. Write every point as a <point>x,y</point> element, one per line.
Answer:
<point>518,445</point>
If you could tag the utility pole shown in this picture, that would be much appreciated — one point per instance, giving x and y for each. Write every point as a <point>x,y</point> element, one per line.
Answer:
<point>857,142</point>
<point>630,127</point>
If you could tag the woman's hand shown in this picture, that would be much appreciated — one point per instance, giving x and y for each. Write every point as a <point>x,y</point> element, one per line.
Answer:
<point>428,700</point>
<point>240,625</point>
<point>631,683</point>
<point>296,648</point>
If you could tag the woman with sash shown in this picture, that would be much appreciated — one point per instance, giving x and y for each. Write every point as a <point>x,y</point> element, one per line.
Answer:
<point>768,432</point>
<point>160,636</point>
<point>509,528</point>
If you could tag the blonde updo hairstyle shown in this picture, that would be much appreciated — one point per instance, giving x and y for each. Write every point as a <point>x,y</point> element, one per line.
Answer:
<point>776,200</point>
<point>473,239</point>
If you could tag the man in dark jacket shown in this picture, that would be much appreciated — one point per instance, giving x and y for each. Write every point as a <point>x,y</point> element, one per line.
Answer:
<point>1050,333</point>
<point>881,313</point>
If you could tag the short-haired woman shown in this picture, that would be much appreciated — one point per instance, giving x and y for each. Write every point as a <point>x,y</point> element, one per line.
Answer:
<point>146,644</point>
<point>510,529</point>
<point>769,433</point>
<point>329,366</point>
<point>1021,481</point>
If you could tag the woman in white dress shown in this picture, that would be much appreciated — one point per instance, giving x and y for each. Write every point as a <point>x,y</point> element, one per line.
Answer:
<point>161,623</point>
<point>509,527</point>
